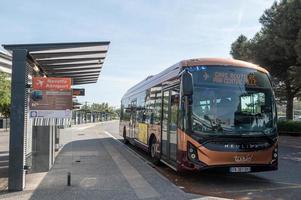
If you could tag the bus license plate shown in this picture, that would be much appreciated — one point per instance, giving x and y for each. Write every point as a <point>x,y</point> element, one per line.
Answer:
<point>240,169</point>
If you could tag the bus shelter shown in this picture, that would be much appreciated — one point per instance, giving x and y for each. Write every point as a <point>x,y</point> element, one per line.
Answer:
<point>82,62</point>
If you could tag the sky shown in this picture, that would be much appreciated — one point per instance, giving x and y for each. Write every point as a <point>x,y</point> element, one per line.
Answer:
<point>146,36</point>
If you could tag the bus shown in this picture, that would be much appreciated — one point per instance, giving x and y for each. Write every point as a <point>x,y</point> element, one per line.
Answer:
<point>204,113</point>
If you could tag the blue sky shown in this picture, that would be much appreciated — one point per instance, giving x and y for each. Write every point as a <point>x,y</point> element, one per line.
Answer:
<point>146,36</point>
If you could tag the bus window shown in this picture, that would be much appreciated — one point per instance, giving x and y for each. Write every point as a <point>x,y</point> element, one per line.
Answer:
<point>252,103</point>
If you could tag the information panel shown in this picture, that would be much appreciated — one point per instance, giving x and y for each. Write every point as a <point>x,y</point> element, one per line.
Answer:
<point>50,98</point>
<point>53,102</point>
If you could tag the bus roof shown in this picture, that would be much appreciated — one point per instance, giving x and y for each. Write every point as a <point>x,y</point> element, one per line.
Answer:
<point>223,62</point>
<point>174,70</point>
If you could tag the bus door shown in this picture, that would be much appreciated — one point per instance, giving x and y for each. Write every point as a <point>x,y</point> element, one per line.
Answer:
<point>170,106</point>
<point>133,118</point>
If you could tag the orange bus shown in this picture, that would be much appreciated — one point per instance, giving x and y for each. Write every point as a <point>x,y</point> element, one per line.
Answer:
<point>204,113</point>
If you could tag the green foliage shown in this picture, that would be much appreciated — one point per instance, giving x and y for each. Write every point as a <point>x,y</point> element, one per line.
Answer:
<point>85,108</point>
<point>277,47</point>
<point>289,128</point>
<point>240,48</point>
<point>5,94</point>
<point>118,111</point>
<point>100,107</point>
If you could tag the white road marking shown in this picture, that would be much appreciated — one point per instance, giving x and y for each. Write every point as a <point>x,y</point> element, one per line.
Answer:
<point>109,134</point>
<point>84,127</point>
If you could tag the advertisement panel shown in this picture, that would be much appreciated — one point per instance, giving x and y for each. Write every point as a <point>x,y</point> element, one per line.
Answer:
<point>142,132</point>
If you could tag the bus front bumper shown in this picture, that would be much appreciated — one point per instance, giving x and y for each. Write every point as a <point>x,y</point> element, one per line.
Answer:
<point>229,168</point>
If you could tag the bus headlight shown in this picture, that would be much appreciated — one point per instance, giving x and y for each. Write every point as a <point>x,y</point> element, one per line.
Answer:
<point>275,155</point>
<point>192,152</point>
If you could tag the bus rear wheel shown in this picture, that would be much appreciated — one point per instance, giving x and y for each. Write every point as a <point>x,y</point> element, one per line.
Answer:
<point>152,152</point>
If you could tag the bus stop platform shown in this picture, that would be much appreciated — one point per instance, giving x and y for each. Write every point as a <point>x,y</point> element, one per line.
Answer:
<point>101,167</point>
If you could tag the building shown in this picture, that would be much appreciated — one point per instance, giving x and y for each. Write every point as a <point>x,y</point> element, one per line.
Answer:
<point>5,63</point>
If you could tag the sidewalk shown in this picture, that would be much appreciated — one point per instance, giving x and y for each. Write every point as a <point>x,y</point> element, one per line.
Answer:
<point>101,168</point>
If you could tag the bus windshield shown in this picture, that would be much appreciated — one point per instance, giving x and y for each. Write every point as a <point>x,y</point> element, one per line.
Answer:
<point>231,101</point>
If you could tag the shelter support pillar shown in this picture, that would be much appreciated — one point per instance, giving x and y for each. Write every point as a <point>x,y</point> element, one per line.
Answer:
<point>44,148</point>
<point>19,80</point>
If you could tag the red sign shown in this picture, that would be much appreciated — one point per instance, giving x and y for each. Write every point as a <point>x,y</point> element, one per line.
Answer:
<point>54,84</point>
<point>78,92</point>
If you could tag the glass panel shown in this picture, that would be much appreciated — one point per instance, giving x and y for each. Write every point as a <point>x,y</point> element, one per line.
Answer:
<point>252,103</point>
<point>165,122</point>
<point>174,105</point>
<point>231,100</point>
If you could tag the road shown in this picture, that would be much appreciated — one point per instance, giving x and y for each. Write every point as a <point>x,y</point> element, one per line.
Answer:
<point>100,167</point>
<point>282,184</point>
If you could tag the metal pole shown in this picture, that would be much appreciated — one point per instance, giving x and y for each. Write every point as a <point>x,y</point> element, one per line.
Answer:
<point>16,173</point>
<point>69,178</point>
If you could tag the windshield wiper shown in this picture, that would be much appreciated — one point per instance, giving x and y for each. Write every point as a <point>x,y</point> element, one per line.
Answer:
<point>207,138</point>
<point>201,121</point>
<point>216,128</point>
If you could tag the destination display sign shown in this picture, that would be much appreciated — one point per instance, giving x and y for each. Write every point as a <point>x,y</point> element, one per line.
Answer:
<point>78,91</point>
<point>229,76</point>
<point>234,78</point>
<point>54,84</point>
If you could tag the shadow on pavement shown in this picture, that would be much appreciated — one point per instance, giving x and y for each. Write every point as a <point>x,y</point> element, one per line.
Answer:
<point>86,160</point>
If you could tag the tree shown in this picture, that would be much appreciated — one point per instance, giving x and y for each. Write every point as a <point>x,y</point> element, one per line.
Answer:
<point>240,48</point>
<point>100,107</point>
<point>5,94</point>
<point>277,47</point>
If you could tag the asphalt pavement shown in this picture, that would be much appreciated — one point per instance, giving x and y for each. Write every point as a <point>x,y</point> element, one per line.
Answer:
<point>285,183</point>
<point>103,168</point>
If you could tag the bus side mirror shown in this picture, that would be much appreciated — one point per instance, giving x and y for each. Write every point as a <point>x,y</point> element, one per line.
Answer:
<point>186,93</point>
<point>186,84</point>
